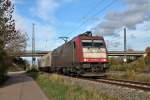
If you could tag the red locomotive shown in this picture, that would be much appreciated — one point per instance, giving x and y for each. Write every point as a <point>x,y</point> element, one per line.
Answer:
<point>83,54</point>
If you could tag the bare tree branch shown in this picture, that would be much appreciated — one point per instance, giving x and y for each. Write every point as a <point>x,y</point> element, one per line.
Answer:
<point>11,40</point>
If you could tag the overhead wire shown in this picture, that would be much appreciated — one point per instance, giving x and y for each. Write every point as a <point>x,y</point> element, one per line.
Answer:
<point>98,12</point>
<point>88,12</point>
<point>96,6</point>
<point>116,40</point>
<point>87,18</point>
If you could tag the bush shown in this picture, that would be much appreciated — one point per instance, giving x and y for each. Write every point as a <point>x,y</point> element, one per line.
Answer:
<point>121,67</point>
<point>138,66</point>
<point>116,68</point>
<point>115,61</point>
<point>147,58</point>
<point>3,66</point>
<point>130,74</point>
<point>33,73</point>
<point>3,78</point>
<point>19,64</point>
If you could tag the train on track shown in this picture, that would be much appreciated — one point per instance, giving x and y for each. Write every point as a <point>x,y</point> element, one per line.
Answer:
<point>83,54</point>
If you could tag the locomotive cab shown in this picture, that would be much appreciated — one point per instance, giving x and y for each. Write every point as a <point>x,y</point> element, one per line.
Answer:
<point>92,53</point>
<point>82,55</point>
<point>94,50</point>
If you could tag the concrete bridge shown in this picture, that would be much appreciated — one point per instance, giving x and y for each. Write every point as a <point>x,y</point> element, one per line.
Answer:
<point>37,53</point>
<point>128,53</point>
<point>110,53</point>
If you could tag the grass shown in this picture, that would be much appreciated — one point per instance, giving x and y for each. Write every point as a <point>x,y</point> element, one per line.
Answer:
<point>131,75</point>
<point>139,65</point>
<point>56,88</point>
<point>131,71</point>
<point>32,73</point>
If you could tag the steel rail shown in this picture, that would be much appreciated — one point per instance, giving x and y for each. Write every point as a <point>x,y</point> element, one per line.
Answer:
<point>129,81</point>
<point>123,83</point>
<point>145,86</point>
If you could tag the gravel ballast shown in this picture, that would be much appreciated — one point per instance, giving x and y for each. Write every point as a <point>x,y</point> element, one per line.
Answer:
<point>115,91</point>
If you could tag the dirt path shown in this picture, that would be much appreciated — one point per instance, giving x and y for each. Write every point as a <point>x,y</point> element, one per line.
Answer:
<point>21,87</point>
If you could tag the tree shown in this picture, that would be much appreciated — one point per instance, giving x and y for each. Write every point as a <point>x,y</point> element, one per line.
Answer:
<point>12,41</point>
<point>19,64</point>
<point>147,58</point>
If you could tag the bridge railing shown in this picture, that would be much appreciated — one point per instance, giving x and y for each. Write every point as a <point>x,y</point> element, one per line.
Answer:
<point>110,53</point>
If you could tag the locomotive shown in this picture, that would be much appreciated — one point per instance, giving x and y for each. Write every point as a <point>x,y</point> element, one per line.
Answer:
<point>81,55</point>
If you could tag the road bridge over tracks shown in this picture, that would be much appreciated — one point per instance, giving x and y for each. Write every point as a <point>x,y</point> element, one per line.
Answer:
<point>110,53</point>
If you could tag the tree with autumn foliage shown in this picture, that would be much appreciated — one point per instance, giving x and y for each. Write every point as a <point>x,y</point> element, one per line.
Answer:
<point>147,58</point>
<point>12,41</point>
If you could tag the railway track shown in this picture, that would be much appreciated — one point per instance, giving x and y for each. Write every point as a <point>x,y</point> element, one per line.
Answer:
<point>145,86</point>
<point>124,83</point>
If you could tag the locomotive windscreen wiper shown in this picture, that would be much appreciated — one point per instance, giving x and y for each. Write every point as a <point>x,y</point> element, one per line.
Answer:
<point>87,43</point>
<point>98,43</point>
<point>94,43</point>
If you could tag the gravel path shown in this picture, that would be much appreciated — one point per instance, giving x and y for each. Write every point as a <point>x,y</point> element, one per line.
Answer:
<point>115,91</point>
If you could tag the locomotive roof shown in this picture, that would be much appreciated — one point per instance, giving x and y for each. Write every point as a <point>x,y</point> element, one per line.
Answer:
<point>90,37</point>
<point>86,35</point>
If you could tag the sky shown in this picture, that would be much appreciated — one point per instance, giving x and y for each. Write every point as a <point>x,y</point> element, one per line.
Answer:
<point>57,18</point>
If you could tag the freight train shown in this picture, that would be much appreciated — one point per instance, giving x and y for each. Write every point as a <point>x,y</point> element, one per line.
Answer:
<point>81,55</point>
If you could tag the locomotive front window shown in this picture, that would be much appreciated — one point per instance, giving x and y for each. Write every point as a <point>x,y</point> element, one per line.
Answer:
<point>98,43</point>
<point>87,43</point>
<point>94,43</point>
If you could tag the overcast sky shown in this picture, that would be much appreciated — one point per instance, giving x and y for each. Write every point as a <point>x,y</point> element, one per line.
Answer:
<point>55,18</point>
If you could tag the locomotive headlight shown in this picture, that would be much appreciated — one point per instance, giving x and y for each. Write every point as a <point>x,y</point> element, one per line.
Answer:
<point>104,59</point>
<point>85,59</point>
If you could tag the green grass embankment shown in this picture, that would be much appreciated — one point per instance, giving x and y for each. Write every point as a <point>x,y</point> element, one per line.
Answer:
<point>56,88</point>
<point>138,70</point>
<point>129,75</point>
